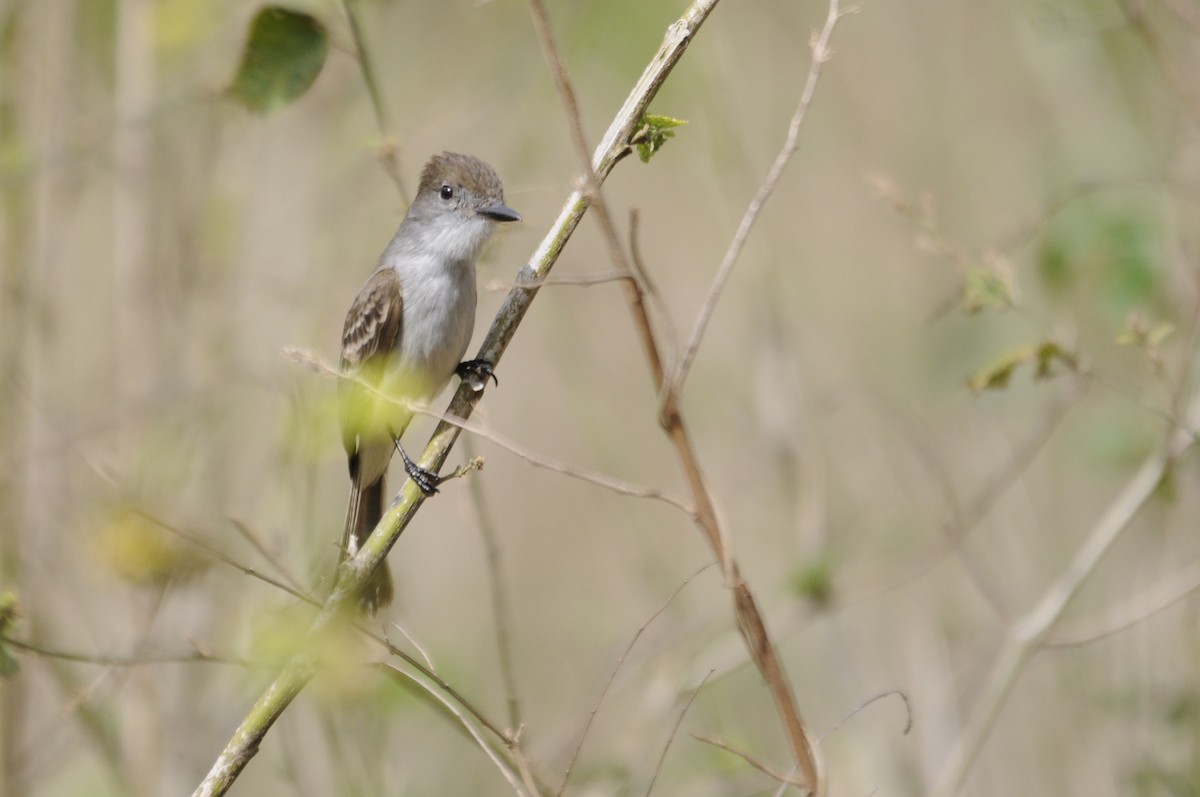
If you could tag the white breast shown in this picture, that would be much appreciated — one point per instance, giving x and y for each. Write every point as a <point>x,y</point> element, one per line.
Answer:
<point>439,317</point>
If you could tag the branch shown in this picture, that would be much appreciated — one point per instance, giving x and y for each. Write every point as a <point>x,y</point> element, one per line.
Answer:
<point>612,676</point>
<point>1028,635</point>
<point>500,605</point>
<point>749,620</point>
<point>820,54</point>
<point>674,730</point>
<point>354,572</point>
<point>387,151</point>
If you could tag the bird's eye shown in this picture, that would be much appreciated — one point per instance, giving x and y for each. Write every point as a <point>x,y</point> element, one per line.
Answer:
<point>447,192</point>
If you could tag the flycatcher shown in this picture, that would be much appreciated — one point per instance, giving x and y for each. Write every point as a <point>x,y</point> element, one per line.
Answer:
<point>406,333</point>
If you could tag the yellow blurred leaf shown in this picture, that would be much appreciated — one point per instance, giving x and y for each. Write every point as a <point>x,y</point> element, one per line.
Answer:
<point>997,374</point>
<point>142,552</point>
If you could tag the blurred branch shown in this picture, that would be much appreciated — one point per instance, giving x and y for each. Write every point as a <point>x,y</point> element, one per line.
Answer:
<point>510,774</point>
<point>252,537</point>
<point>566,91</point>
<point>821,53</point>
<point>500,607</point>
<point>388,152</point>
<point>908,713</point>
<point>675,730</point>
<point>749,620</point>
<point>221,557</point>
<point>103,660</point>
<point>1163,596</point>
<point>1030,633</point>
<point>613,676</point>
<point>749,759</point>
<point>354,571</point>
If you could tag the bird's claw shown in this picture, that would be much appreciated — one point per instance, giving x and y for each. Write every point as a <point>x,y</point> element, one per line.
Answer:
<point>426,480</point>
<point>476,373</point>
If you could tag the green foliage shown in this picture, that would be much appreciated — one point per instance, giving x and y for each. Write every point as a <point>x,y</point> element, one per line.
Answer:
<point>142,552</point>
<point>1146,336</point>
<point>813,581</point>
<point>284,53</point>
<point>984,288</point>
<point>997,374</point>
<point>652,133</point>
<point>1111,253</point>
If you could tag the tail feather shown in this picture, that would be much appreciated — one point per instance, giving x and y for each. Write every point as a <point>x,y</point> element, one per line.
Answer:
<point>362,515</point>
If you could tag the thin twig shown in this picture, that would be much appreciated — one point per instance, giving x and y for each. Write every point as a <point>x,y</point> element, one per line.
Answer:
<point>1030,633</point>
<point>500,609</point>
<point>908,712</point>
<point>675,730</point>
<point>820,54</point>
<point>582,281</point>
<point>648,286</point>
<point>412,641</point>
<point>762,767</point>
<point>388,151</point>
<point>1181,586</point>
<point>107,660</point>
<point>221,557</point>
<point>613,675</point>
<point>259,546</point>
<point>566,92</point>
<point>513,778</point>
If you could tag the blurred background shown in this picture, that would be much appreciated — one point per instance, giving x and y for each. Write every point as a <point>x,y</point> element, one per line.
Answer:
<point>972,178</point>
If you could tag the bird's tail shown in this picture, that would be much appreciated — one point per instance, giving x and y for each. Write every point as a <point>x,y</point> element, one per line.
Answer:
<point>362,515</point>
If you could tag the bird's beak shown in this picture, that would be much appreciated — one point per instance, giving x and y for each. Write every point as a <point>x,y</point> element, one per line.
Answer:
<point>499,212</point>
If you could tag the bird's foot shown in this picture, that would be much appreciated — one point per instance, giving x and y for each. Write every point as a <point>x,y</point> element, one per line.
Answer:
<point>476,373</point>
<point>426,480</point>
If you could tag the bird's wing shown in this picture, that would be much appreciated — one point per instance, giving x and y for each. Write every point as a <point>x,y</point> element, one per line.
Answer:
<point>372,332</point>
<point>373,323</point>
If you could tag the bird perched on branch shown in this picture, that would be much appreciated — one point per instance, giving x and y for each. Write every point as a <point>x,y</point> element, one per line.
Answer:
<point>406,333</point>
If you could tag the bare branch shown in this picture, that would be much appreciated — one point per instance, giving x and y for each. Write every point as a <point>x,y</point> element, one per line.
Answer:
<point>107,660</point>
<point>820,54</point>
<point>908,712</point>
<point>566,91</point>
<point>259,546</point>
<point>613,675</point>
<point>1029,634</point>
<point>1181,586</point>
<point>221,557</point>
<point>582,281</point>
<point>751,760</point>
<point>500,607</point>
<point>506,769</point>
<point>749,620</point>
<point>675,730</point>
<point>388,151</point>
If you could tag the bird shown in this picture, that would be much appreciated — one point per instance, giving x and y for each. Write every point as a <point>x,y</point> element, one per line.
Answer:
<point>406,333</point>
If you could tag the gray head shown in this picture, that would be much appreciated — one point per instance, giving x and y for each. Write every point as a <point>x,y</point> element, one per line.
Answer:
<point>458,203</point>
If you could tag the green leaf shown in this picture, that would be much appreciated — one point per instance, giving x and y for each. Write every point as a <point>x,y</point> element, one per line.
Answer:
<point>985,288</point>
<point>1046,354</point>
<point>1114,252</point>
<point>997,374</point>
<point>284,53</point>
<point>813,581</point>
<point>652,133</point>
